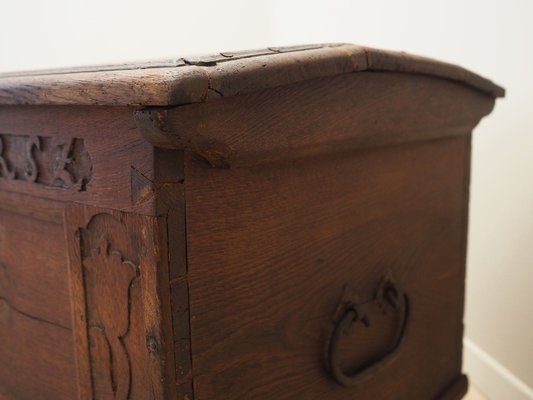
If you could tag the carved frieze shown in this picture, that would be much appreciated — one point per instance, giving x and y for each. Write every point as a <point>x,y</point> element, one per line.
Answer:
<point>49,161</point>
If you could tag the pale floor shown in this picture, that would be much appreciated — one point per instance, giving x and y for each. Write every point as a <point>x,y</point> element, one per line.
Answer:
<point>473,394</point>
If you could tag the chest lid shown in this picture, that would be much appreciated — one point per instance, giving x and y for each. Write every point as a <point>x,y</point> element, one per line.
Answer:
<point>187,80</point>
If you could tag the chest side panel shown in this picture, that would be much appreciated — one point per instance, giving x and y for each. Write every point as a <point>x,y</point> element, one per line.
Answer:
<point>84,280</point>
<point>37,350</point>
<point>271,253</point>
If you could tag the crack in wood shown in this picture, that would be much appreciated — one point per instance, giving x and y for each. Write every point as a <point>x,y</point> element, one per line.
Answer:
<point>6,306</point>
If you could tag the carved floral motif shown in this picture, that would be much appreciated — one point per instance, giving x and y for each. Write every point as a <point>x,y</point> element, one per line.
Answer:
<point>5,171</point>
<point>50,161</point>
<point>110,278</point>
<point>115,305</point>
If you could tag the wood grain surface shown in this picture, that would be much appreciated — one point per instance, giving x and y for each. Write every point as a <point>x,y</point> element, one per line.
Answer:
<point>321,116</point>
<point>195,228</point>
<point>271,248</point>
<point>121,166</point>
<point>199,79</point>
<point>118,281</point>
<point>36,341</point>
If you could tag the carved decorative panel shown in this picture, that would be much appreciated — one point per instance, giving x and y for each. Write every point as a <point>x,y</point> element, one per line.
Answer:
<point>108,278</point>
<point>116,305</point>
<point>50,161</point>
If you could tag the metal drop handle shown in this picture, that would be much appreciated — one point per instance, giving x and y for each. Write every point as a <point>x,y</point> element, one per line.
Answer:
<point>352,315</point>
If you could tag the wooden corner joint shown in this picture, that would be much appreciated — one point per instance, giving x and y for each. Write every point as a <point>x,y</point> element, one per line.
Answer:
<point>164,131</point>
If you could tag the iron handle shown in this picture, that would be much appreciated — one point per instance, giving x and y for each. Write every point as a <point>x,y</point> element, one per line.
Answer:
<point>352,314</point>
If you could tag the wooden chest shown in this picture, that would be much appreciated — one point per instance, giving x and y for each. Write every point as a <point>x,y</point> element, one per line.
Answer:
<point>288,223</point>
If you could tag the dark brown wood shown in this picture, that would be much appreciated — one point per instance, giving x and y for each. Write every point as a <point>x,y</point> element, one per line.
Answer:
<point>193,80</point>
<point>116,280</point>
<point>456,390</point>
<point>120,159</point>
<point>170,203</point>
<point>284,223</point>
<point>269,286</point>
<point>357,110</point>
<point>49,161</point>
<point>36,342</point>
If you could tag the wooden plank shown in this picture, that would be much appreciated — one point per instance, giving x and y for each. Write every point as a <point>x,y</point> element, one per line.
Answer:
<point>35,208</point>
<point>321,116</point>
<point>118,273</point>
<point>270,250</point>
<point>190,80</point>
<point>36,351</point>
<point>170,203</point>
<point>115,163</point>
<point>33,268</point>
<point>37,357</point>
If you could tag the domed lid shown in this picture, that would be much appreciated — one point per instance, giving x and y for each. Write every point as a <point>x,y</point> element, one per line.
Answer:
<point>199,79</point>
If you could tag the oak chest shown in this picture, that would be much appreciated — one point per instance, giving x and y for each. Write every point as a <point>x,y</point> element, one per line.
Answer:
<point>288,223</point>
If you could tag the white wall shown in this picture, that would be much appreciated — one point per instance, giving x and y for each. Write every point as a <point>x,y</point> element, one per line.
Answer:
<point>493,38</point>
